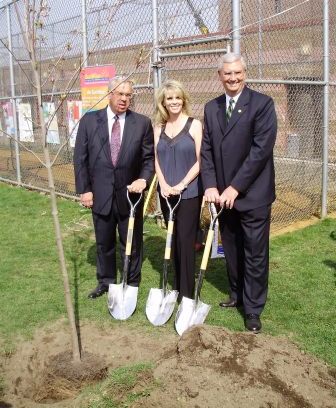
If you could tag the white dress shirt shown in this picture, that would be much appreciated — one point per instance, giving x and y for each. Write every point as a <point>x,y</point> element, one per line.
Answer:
<point>235,98</point>
<point>110,120</point>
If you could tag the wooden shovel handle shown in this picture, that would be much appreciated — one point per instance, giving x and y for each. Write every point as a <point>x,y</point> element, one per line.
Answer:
<point>169,240</point>
<point>207,249</point>
<point>129,240</point>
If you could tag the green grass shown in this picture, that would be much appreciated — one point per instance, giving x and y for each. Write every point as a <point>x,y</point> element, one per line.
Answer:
<point>120,388</point>
<point>301,302</point>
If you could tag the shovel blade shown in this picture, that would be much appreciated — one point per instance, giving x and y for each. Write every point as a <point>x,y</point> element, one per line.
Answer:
<point>189,314</point>
<point>159,308</point>
<point>122,301</point>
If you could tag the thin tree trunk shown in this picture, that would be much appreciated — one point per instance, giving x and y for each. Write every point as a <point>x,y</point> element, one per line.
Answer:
<point>54,211</point>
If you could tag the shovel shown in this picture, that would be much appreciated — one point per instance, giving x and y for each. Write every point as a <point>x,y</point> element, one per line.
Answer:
<point>194,311</point>
<point>122,298</point>
<point>200,232</point>
<point>161,302</point>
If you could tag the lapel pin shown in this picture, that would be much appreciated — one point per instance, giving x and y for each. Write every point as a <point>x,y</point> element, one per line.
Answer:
<point>239,111</point>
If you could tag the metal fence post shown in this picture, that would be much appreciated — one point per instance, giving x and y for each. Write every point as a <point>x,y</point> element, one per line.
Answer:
<point>236,26</point>
<point>13,101</point>
<point>325,157</point>
<point>84,34</point>
<point>156,66</point>
<point>156,57</point>
<point>260,39</point>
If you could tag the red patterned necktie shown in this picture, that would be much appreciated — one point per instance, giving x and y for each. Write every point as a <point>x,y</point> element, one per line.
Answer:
<point>115,140</point>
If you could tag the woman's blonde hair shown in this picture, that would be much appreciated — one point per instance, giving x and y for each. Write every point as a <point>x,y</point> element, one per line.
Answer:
<point>161,113</point>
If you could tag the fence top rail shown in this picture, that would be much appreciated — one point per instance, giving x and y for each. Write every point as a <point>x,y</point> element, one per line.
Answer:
<point>35,95</point>
<point>196,41</point>
<point>191,53</point>
<point>150,86</point>
<point>285,82</point>
<point>71,92</point>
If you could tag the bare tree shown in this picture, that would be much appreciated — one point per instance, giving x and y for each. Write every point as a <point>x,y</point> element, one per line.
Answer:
<point>31,23</point>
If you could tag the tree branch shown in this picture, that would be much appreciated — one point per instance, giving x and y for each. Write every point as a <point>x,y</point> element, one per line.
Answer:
<point>23,146</point>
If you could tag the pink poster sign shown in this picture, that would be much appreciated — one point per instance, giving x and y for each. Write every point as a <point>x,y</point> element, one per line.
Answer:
<point>94,84</point>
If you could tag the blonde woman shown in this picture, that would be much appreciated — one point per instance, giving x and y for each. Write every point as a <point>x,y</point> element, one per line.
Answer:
<point>177,138</point>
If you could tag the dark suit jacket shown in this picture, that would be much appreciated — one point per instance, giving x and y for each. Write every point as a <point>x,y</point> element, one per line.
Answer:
<point>94,170</point>
<point>240,153</point>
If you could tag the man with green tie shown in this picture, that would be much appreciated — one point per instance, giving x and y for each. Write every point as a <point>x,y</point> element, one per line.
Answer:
<point>237,170</point>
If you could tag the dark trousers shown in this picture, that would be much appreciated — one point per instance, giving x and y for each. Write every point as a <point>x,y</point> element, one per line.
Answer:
<point>184,239</point>
<point>105,231</point>
<point>245,238</point>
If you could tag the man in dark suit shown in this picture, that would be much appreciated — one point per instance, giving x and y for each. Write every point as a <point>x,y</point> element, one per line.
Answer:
<point>114,151</point>
<point>237,171</point>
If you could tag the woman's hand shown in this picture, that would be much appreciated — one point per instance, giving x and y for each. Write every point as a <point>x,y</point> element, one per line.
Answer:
<point>166,190</point>
<point>176,190</point>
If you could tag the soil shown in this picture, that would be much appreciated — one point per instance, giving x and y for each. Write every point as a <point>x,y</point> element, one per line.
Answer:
<point>206,367</point>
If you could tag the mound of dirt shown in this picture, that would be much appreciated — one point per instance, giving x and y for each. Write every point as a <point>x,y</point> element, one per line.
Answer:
<point>213,367</point>
<point>207,367</point>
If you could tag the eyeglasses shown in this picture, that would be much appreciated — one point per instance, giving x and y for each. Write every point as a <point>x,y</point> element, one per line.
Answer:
<point>121,95</point>
<point>232,73</point>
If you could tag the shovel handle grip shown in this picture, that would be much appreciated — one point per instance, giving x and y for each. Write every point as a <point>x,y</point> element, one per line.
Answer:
<point>214,214</point>
<point>132,205</point>
<point>170,205</point>
<point>169,239</point>
<point>207,249</point>
<point>130,230</point>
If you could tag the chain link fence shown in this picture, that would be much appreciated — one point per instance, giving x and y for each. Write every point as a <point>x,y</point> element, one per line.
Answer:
<point>282,42</point>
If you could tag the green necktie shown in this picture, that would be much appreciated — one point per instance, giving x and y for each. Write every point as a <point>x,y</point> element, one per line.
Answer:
<point>229,109</point>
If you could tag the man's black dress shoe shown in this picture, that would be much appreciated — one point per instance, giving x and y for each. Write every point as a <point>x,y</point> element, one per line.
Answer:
<point>253,323</point>
<point>230,303</point>
<point>98,291</point>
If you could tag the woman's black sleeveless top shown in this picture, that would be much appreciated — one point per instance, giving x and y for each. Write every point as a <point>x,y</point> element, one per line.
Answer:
<point>176,156</point>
